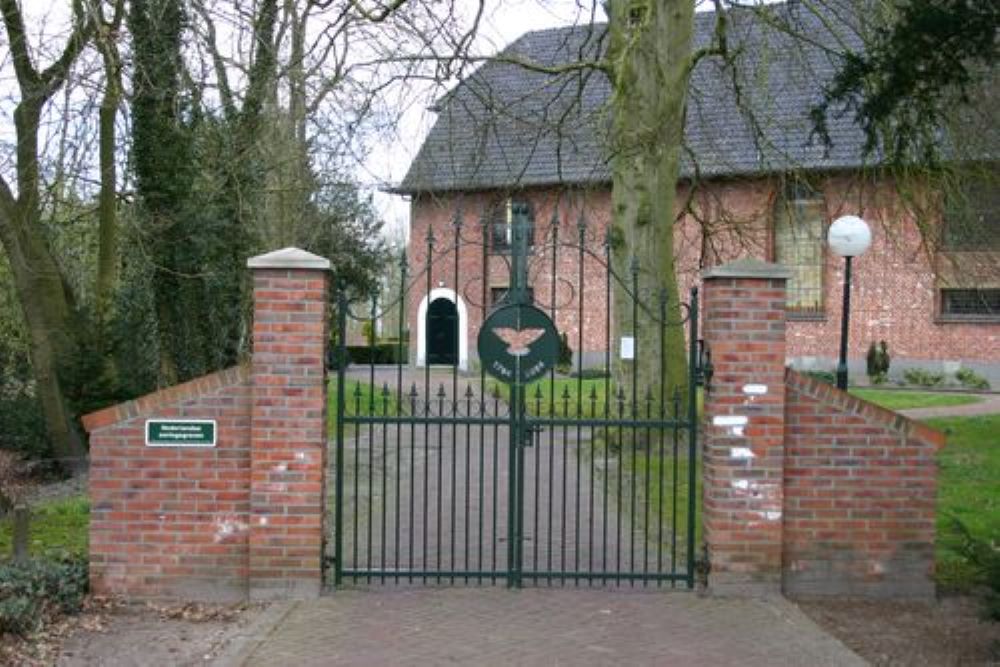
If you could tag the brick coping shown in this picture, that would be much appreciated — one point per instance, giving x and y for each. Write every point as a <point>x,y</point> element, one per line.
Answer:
<point>144,405</point>
<point>830,395</point>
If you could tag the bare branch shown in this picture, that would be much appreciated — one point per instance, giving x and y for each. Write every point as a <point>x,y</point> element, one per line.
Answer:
<point>27,76</point>
<point>225,92</point>
<point>55,74</point>
<point>381,15</point>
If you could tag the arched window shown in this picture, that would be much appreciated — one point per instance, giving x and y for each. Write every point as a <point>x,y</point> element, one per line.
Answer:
<point>799,223</point>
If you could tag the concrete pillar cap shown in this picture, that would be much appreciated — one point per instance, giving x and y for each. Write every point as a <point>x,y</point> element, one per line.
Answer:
<point>747,267</point>
<point>289,258</point>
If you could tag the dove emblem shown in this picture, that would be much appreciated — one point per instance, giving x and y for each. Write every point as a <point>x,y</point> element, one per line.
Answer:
<point>518,342</point>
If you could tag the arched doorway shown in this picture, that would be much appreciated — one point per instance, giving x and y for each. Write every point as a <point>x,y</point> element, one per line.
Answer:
<point>442,332</point>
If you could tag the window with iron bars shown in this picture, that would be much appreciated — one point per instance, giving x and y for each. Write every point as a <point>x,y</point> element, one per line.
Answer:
<point>799,224</point>
<point>970,303</point>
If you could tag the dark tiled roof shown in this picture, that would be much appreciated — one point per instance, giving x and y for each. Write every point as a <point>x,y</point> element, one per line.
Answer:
<point>505,126</point>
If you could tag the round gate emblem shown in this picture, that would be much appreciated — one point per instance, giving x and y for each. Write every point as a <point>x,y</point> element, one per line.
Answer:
<point>518,344</point>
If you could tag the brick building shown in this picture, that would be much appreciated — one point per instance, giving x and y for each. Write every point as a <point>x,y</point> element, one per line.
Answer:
<point>513,144</point>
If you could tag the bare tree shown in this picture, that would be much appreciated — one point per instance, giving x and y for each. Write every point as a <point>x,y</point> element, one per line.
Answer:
<point>43,291</point>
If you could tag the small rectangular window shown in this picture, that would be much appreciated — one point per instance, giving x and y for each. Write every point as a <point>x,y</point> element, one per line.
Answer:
<point>971,303</point>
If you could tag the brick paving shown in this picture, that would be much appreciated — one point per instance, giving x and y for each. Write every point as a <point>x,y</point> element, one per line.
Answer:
<point>496,626</point>
<point>493,625</point>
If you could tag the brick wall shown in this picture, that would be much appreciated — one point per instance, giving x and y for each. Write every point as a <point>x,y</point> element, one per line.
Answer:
<point>244,517</point>
<point>168,520</point>
<point>744,411</point>
<point>806,489</point>
<point>288,430</point>
<point>895,295</point>
<point>859,494</point>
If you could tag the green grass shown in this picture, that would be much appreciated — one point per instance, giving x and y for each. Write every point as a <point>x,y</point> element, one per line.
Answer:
<point>906,400</point>
<point>647,470</point>
<point>56,528</point>
<point>968,489</point>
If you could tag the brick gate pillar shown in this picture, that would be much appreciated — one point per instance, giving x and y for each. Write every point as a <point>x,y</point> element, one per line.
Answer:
<point>288,423</point>
<point>744,330</point>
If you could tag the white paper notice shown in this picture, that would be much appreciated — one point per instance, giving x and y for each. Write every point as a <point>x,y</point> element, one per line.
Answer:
<point>628,347</point>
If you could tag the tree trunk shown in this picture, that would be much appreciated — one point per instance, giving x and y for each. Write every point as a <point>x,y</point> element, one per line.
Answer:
<point>48,314</point>
<point>107,252</point>
<point>650,53</point>
<point>45,297</point>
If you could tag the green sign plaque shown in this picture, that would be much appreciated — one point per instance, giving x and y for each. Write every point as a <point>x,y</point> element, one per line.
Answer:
<point>180,433</point>
<point>518,344</point>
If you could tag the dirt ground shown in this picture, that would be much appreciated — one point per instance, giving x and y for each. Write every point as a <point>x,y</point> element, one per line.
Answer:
<point>941,633</point>
<point>107,634</point>
<point>947,632</point>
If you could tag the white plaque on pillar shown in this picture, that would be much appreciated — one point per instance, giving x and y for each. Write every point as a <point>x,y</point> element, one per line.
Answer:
<point>627,348</point>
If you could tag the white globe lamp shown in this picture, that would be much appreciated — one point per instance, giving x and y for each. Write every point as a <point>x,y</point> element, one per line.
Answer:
<point>849,236</point>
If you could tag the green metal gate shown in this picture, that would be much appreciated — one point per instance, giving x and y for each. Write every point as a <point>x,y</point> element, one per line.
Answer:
<point>445,475</point>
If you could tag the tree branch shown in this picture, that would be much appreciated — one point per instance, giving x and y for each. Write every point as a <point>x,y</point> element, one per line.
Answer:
<point>225,92</point>
<point>27,76</point>
<point>379,16</point>
<point>55,74</point>
<point>720,44</point>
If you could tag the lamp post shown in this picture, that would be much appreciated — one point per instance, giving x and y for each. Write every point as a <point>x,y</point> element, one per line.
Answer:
<point>849,237</point>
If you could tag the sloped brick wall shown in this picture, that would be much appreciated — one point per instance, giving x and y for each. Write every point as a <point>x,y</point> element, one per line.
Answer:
<point>167,521</point>
<point>242,518</point>
<point>807,489</point>
<point>859,494</point>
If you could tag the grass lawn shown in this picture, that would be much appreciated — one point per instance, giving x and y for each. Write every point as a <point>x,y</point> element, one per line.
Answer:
<point>56,528</point>
<point>968,489</point>
<point>905,400</point>
<point>649,471</point>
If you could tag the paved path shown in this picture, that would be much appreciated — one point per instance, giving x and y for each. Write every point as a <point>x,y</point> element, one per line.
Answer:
<point>990,405</point>
<point>492,626</point>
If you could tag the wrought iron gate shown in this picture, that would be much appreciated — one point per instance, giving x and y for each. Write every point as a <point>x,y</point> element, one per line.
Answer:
<point>443,474</point>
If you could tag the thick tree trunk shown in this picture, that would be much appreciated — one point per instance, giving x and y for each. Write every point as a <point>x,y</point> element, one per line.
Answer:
<point>650,52</point>
<point>49,316</point>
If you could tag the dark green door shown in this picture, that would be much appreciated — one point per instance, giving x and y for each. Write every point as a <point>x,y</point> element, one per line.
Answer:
<point>442,332</point>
